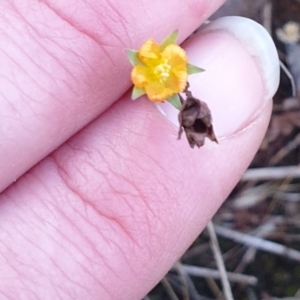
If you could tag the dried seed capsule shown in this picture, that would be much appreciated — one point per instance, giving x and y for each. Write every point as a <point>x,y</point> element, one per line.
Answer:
<point>196,121</point>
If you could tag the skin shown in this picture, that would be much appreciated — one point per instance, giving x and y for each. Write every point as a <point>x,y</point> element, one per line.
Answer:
<point>106,199</point>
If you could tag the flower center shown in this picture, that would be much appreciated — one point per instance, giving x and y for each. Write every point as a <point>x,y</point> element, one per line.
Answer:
<point>162,71</point>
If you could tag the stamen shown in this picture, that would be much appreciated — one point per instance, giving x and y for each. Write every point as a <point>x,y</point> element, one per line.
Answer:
<point>162,71</point>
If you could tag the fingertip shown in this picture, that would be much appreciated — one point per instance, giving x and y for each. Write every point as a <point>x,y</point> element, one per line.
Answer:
<point>258,43</point>
<point>242,72</point>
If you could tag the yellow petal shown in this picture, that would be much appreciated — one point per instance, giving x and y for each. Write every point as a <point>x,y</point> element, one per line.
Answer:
<point>181,77</point>
<point>175,55</point>
<point>140,76</point>
<point>172,83</point>
<point>157,92</point>
<point>149,50</point>
<point>176,82</point>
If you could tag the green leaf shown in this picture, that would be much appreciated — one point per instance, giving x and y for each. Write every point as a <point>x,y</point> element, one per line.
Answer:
<point>191,69</point>
<point>171,39</point>
<point>133,57</point>
<point>175,101</point>
<point>137,92</point>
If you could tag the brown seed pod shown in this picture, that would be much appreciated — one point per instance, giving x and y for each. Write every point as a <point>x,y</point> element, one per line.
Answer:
<point>196,121</point>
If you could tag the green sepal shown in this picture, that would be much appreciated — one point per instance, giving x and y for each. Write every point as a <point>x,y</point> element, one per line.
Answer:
<point>191,69</point>
<point>133,57</point>
<point>175,101</point>
<point>170,39</point>
<point>137,92</point>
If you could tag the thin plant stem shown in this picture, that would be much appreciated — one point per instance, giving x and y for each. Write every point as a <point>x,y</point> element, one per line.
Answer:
<point>169,289</point>
<point>219,260</point>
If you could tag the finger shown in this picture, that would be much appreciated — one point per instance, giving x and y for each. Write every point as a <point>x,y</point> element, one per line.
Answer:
<point>63,63</point>
<point>110,212</point>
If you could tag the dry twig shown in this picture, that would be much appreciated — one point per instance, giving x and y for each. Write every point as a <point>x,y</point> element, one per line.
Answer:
<point>209,273</point>
<point>219,260</point>
<point>258,243</point>
<point>290,77</point>
<point>262,231</point>
<point>169,289</point>
<point>284,151</point>
<point>267,16</point>
<point>272,173</point>
<point>183,278</point>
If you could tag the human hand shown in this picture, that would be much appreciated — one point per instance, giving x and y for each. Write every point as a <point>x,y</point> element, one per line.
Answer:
<point>107,214</point>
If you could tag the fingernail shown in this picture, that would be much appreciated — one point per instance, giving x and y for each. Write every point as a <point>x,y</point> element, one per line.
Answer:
<point>241,72</point>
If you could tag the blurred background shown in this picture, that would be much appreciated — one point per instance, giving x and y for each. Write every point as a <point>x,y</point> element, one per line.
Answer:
<point>258,226</point>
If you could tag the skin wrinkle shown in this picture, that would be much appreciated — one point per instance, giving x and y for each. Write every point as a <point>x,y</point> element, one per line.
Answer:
<point>81,30</point>
<point>24,72</point>
<point>155,162</point>
<point>25,95</point>
<point>107,217</point>
<point>26,286</point>
<point>58,290</point>
<point>9,260</point>
<point>26,294</point>
<point>162,185</point>
<point>21,277</point>
<point>118,220</point>
<point>58,62</point>
<point>22,50</point>
<point>88,259</point>
<point>16,112</point>
<point>104,16</point>
<point>57,266</point>
<point>11,105</point>
<point>111,171</point>
<point>145,13</point>
<point>70,241</point>
<point>81,63</point>
<point>120,19</point>
<point>120,249</point>
<point>136,193</point>
<point>102,212</point>
<point>45,49</point>
<point>7,297</point>
<point>61,213</point>
<point>83,267</point>
<point>127,27</point>
<point>114,187</point>
<point>45,254</point>
<point>67,179</point>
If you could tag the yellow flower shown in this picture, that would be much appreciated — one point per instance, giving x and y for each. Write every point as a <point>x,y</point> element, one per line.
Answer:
<point>164,72</point>
<point>160,71</point>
